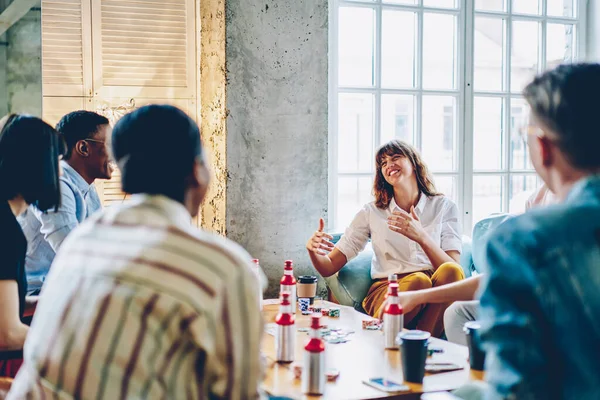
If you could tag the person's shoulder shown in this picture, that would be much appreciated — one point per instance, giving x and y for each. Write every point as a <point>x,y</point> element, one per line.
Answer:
<point>370,206</point>
<point>220,246</point>
<point>10,228</point>
<point>68,190</point>
<point>6,214</point>
<point>441,203</point>
<point>551,226</point>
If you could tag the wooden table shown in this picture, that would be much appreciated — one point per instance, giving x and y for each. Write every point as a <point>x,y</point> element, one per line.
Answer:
<point>359,359</point>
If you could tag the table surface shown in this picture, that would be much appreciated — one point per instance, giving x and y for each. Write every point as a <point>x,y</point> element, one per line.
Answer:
<point>359,359</point>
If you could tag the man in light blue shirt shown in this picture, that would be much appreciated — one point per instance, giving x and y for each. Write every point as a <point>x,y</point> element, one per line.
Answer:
<point>86,160</point>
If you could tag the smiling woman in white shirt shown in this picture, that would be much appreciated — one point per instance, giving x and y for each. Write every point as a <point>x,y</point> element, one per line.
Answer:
<point>414,230</point>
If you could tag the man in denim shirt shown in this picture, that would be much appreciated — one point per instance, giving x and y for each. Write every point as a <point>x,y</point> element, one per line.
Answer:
<point>86,160</point>
<point>540,296</point>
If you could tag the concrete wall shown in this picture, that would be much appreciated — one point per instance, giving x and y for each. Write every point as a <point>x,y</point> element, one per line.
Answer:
<point>593,31</point>
<point>24,65</point>
<point>277,66</point>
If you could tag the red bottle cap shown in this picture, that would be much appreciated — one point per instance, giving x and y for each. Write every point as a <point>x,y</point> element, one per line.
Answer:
<point>315,321</point>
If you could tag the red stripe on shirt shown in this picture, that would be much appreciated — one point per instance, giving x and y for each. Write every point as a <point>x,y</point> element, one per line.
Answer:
<point>90,342</point>
<point>177,232</point>
<point>229,343</point>
<point>154,264</point>
<point>61,324</point>
<point>183,325</point>
<point>137,345</point>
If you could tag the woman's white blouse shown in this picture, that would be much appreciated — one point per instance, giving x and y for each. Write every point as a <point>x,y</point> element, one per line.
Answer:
<point>393,252</point>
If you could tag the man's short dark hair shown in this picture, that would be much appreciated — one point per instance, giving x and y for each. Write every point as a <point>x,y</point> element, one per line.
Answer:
<point>156,147</point>
<point>565,100</point>
<point>29,154</point>
<point>79,125</point>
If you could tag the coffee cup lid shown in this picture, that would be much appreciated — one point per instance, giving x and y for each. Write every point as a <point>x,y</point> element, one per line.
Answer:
<point>307,279</point>
<point>471,325</point>
<point>412,335</point>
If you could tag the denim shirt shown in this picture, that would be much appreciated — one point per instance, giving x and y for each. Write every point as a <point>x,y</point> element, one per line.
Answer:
<point>540,301</point>
<point>46,231</point>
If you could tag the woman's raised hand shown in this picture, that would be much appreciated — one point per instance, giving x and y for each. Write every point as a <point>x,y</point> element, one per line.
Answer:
<point>320,242</point>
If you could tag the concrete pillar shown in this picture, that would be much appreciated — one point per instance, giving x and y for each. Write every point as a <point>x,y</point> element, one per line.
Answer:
<point>213,110</point>
<point>277,99</point>
<point>24,65</point>
<point>593,31</point>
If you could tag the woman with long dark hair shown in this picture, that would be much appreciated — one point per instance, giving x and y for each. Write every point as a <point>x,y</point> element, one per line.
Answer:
<point>414,230</point>
<point>30,150</point>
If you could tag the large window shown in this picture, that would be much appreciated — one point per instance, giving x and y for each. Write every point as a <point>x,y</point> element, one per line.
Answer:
<point>446,76</point>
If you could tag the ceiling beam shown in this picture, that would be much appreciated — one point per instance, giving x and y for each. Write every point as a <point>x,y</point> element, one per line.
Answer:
<point>14,12</point>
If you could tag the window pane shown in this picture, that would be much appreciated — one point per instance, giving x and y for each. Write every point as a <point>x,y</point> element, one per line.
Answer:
<point>355,132</point>
<point>356,46</point>
<point>489,50</point>
<point>519,112</point>
<point>487,196</point>
<point>398,49</point>
<point>447,186</point>
<point>352,194</point>
<point>487,133</point>
<point>524,55</point>
<point>397,118</point>
<point>527,6</point>
<point>560,44</point>
<point>441,3</point>
<point>490,5</point>
<point>439,51</point>
<point>439,132</point>
<point>561,8</point>
<point>521,188</point>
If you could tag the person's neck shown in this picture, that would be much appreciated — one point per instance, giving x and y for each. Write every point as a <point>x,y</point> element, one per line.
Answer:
<point>17,205</point>
<point>406,196</point>
<point>79,166</point>
<point>563,183</point>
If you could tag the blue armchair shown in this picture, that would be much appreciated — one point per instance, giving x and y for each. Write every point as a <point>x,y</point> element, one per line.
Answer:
<point>351,284</point>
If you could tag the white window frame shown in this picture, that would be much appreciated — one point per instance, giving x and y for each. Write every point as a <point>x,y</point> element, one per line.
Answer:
<point>464,91</point>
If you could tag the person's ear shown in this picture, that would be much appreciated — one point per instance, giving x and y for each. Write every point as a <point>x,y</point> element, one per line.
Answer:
<point>82,148</point>
<point>200,176</point>
<point>202,173</point>
<point>545,146</point>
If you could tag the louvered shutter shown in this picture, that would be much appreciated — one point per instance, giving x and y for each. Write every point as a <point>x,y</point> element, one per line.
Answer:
<point>66,48</point>
<point>144,48</point>
<point>54,108</point>
<point>113,109</point>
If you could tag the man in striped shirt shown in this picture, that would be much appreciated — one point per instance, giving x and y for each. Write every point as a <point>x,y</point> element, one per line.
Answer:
<point>138,303</point>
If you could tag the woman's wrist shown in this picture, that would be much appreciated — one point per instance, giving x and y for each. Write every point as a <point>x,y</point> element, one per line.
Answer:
<point>424,240</point>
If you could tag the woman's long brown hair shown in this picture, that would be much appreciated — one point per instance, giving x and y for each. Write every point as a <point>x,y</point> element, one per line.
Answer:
<point>382,190</point>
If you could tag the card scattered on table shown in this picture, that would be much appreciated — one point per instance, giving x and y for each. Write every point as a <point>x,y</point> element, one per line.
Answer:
<point>371,324</point>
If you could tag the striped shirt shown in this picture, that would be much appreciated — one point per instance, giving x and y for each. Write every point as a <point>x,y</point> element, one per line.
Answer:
<point>139,304</point>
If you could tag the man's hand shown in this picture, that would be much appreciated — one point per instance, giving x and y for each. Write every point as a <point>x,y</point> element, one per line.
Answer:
<point>409,301</point>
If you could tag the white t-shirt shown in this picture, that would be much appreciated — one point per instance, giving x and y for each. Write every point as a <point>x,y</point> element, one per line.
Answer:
<point>394,252</point>
<point>541,197</point>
